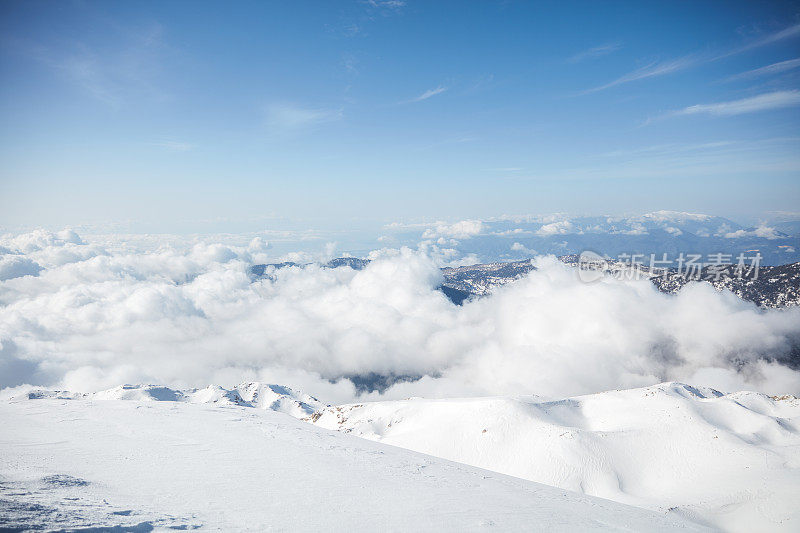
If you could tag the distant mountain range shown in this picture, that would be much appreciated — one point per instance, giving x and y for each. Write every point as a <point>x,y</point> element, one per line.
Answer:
<point>510,238</point>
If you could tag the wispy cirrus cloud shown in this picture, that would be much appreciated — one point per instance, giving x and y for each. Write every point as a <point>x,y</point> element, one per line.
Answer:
<point>288,117</point>
<point>390,4</point>
<point>791,31</point>
<point>713,158</point>
<point>661,68</point>
<point>762,102</point>
<point>653,69</point>
<point>129,67</point>
<point>359,24</point>
<point>428,94</point>
<point>775,68</point>
<point>174,146</point>
<point>666,149</point>
<point>595,51</point>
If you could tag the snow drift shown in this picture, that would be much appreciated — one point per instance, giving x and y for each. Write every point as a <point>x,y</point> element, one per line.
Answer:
<point>167,465</point>
<point>731,460</point>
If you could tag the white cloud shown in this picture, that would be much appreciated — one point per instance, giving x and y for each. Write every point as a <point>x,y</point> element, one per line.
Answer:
<point>722,158</point>
<point>175,146</point>
<point>675,216</point>
<point>128,65</point>
<point>775,68</point>
<point>284,117</point>
<point>653,69</point>
<point>429,93</point>
<point>459,230</point>
<point>392,4</point>
<point>515,231</point>
<point>561,227</point>
<point>533,218</point>
<point>521,248</point>
<point>762,230</point>
<point>634,229</point>
<point>15,266</point>
<point>661,68</point>
<point>595,51</point>
<point>762,102</point>
<point>190,315</point>
<point>786,33</point>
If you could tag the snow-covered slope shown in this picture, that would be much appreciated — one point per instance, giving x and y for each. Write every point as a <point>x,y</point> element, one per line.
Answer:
<point>142,464</point>
<point>732,460</point>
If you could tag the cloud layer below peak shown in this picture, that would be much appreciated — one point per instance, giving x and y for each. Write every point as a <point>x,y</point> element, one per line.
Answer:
<point>94,317</point>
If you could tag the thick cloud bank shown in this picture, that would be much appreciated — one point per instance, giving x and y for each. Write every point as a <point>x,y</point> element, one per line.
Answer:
<point>85,316</point>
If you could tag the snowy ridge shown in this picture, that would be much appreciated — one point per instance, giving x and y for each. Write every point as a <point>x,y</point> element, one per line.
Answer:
<point>732,460</point>
<point>175,465</point>
<point>253,394</point>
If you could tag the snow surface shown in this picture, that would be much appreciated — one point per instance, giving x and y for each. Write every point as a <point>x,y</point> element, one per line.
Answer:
<point>252,394</point>
<point>200,460</point>
<point>732,460</point>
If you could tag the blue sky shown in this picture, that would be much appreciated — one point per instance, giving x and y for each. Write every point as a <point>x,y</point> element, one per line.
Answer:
<point>342,114</point>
